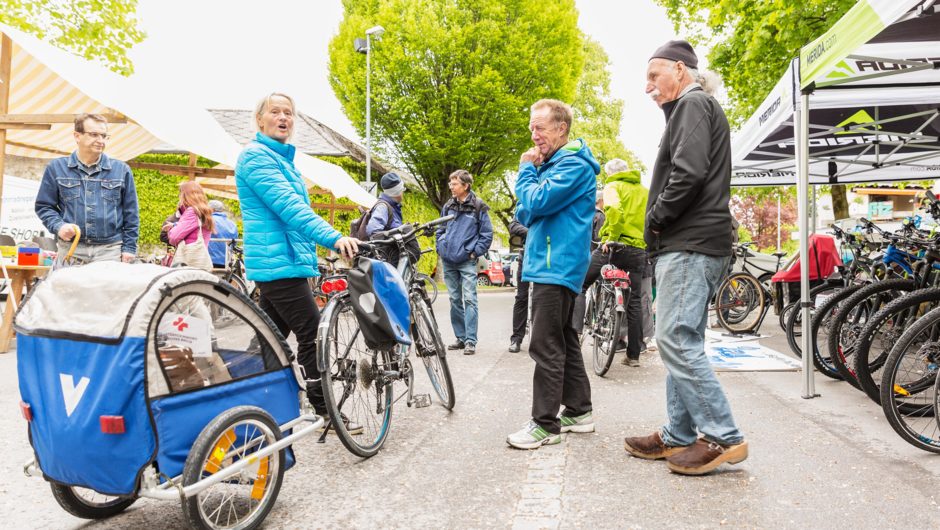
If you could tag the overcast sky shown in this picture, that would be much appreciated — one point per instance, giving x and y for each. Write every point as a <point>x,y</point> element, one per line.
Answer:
<point>232,52</point>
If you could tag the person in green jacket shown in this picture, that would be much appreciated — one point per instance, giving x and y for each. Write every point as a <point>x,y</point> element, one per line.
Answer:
<point>625,211</point>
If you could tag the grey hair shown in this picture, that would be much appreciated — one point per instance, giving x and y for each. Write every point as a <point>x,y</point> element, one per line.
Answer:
<point>262,105</point>
<point>710,81</point>
<point>615,165</point>
<point>463,176</point>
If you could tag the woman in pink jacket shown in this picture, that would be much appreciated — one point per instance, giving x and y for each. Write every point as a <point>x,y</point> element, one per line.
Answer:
<point>193,209</point>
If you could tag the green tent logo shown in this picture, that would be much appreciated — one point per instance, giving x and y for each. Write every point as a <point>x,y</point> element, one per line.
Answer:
<point>859,118</point>
<point>840,70</point>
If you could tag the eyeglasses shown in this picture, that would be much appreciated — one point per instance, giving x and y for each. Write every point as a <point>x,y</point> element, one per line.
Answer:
<point>98,136</point>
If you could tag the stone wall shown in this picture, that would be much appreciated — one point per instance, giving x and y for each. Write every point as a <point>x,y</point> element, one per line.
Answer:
<point>27,168</point>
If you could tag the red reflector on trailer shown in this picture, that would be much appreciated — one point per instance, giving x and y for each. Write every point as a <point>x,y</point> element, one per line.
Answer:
<point>26,410</point>
<point>112,424</point>
<point>340,284</point>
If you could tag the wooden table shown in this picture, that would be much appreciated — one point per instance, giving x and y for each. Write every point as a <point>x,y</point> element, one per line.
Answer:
<point>20,277</point>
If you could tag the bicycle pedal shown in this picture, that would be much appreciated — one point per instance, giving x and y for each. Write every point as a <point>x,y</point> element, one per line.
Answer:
<point>422,400</point>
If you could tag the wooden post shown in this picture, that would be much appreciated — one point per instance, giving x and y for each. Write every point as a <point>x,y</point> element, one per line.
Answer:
<point>193,157</point>
<point>332,209</point>
<point>6,68</point>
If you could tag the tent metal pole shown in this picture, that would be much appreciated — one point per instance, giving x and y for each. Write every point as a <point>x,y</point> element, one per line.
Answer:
<point>801,135</point>
<point>813,210</point>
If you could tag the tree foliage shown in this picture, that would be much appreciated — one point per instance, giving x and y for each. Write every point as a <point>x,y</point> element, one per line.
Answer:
<point>751,42</point>
<point>102,30</point>
<point>452,81</point>
<point>757,213</point>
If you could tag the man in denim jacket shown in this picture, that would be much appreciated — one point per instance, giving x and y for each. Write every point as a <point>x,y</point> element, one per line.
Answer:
<point>94,192</point>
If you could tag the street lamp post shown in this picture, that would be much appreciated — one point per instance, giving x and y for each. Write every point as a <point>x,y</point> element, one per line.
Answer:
<point>365,46</point>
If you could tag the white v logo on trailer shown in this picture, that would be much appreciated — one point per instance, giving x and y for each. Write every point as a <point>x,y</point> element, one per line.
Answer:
<point>71,392</point>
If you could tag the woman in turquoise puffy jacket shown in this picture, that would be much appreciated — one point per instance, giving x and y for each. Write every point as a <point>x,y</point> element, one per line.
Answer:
<point>281,233</point>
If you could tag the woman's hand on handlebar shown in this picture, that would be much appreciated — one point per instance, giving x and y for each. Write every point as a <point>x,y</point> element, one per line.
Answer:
<point>348,247</point>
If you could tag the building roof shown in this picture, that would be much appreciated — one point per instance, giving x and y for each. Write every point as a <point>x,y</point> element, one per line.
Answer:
<point>311,137</point>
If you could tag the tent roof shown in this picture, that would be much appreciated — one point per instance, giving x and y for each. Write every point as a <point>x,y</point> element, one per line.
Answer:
<point>48,84</point>
<point>874,106</point>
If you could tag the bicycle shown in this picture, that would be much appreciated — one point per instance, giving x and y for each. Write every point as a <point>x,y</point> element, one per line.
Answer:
<point>358,382</point>
<point>606,310</point>
<point>741,293</point>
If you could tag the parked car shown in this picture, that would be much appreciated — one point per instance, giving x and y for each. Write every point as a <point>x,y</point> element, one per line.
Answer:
<point>490,269</point>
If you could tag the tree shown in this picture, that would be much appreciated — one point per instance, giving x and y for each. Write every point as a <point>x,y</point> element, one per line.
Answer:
<point>452,80</point>
<point>103,30</point>
<point>757,213</point>
<point>752,43</point>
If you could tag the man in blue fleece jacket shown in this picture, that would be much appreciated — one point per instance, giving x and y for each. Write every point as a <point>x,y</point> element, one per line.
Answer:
<point>555,189</point>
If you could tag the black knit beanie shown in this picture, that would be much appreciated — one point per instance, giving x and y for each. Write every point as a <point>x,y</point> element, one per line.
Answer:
<point>677,50</point>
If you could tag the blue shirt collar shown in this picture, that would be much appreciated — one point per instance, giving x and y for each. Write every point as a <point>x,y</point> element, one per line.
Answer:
<point>103,162</point>
<point>285,150</point>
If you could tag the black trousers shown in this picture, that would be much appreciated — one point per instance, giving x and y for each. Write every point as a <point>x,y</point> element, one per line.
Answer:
<point>634,261</point>
<point>520,308</point>
<point>560,378</point>
<point>289,303</point>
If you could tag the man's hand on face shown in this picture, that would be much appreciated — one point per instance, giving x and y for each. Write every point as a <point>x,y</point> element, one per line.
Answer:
<point>532,155</point>
<point>67,232</point>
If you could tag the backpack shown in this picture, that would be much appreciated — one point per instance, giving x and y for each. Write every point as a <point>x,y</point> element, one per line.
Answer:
<point>357,228</point>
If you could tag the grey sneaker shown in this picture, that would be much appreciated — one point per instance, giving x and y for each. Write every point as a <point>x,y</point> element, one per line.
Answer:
<point>582,423</point>
<point>633,363</point>
<point>470,349</point>
<point>532,436</point>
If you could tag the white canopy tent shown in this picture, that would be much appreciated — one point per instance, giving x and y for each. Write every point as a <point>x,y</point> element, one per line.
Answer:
<point>860,104</point>
<point>46,86</point>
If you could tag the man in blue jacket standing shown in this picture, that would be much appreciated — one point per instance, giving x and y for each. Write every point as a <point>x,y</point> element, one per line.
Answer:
<point>459,243</point>
<point>225,229</point>
<point>555,189</point>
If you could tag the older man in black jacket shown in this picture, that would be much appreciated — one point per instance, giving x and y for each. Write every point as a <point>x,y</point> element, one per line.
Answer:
<point>688,231</point>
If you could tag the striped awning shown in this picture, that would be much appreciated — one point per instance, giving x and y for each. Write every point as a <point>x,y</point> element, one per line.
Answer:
<point>49,81</point>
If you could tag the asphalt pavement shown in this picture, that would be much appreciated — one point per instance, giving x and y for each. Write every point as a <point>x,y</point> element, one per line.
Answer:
<point>828,462</point>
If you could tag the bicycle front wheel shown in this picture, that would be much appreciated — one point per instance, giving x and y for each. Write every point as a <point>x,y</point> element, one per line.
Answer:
<point>430,348</point>
<point>606,331</point>
<point>357,391</point>
<point>739,303</point>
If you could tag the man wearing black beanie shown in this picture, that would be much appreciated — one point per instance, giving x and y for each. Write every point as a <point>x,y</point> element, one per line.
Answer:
<point>688,233</point>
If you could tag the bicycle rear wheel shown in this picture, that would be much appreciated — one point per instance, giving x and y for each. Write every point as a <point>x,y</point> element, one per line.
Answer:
<point>606,331</point>
<point>794,324</point>
<point>883,331</point>
<point>909,384</point>
<point>430,348</point>
<point>739,303</point>
<point>355,386</point>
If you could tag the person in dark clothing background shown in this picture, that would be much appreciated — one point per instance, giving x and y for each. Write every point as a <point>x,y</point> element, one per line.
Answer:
<point>599,219</point>
<point>520,308</point>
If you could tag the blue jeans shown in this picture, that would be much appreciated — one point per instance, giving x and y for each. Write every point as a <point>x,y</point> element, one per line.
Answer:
<point>695,401</point>
<point>461,281</point>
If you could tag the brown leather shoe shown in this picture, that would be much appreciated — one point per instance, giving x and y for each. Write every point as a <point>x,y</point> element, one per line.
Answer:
<point>704,456</point>
<point>649,447</point>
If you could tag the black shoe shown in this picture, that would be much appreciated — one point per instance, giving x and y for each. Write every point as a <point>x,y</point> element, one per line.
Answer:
<point>470,349</point>
<point>621,346</point>
<point>514,346</point>
<point>459,345</point>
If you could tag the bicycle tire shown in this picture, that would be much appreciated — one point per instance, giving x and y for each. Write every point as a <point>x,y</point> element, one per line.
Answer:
<point>430,348</point>
<point>348,367</point>
<point>212,452</point>
<point>785,314</point>
<point>76,501</point>
<point>606,332</point>
<point>795,317</point>
<point>887,329</point>
<point>845,328</point>
<point>738,296</point>
<point>588,322</point>
<point>819,325</point>
<point>909,384</point>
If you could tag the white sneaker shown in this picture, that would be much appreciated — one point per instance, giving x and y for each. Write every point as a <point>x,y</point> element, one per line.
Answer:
<point>581,424</point>
<point>532,436</point>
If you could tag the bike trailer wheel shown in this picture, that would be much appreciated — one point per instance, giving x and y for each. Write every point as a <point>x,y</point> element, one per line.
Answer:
<point>89,504</point>
<point>243,499</point>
